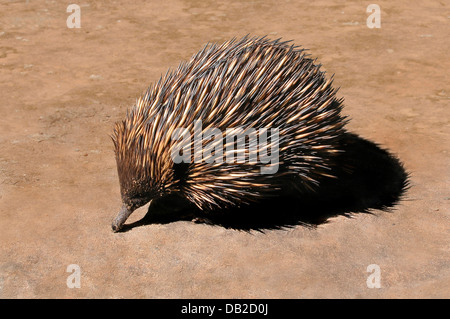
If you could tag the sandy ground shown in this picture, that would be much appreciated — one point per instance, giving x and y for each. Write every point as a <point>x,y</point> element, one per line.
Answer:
<point>62,90</point>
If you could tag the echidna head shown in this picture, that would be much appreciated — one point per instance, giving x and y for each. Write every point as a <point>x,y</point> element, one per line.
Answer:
<point>134,195</point>
<point>143,176</point>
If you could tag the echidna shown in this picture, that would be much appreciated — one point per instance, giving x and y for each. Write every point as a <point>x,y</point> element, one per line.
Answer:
<point>248,83</point>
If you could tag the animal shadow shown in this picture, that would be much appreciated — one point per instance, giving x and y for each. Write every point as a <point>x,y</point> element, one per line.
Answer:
<point>367,177</point>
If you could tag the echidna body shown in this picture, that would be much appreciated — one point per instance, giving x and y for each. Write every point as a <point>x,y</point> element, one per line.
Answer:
<point>247,83</point>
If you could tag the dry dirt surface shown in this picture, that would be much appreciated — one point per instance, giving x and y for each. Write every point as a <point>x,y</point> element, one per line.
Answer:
<point>63,88</point>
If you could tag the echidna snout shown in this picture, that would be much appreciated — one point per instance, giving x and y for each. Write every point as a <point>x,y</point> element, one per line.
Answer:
<point>130,204</point>
<point>120,219</point>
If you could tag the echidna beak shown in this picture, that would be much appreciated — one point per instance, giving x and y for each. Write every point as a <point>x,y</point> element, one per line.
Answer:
<point>121,218</point>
